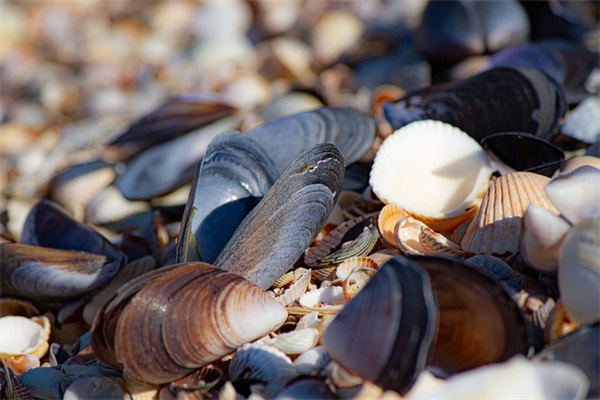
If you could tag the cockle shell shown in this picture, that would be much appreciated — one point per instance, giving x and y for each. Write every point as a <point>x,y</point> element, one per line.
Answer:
<point>579,271</point>
<point>496,228</point>
<point>354,263</point>
<point>23,336</point>
<point>387,220</point>
<point>414,237</point>
<point>189,314</point>
<point>331,297</point>
<point>433,171</point>
<point>295,342</point>
<point>296,290</point>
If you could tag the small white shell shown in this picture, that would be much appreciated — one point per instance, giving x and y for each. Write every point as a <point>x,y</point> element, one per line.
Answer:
<point>577,194</point>
<point>433,171</point>
<point>579,272</point>
<point>260,361</point>
<point>310,320</point>
<point>296,290</point>
<point>331,297</point>
<point>22,335</point>
<point>295,342</point>
<point>312,362</point>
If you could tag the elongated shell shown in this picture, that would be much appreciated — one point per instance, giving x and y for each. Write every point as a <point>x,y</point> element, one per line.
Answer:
<point>385,332</point>
<point>433,171</point>
<point>496,228</point>
<point>234,175</point>
<point>189,315</point>
<point>40,273</point>
<point>279,229</point>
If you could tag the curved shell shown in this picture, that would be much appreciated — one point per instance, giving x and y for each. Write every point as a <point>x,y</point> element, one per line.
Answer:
<point>296,290</point>
<point>387,220</point>
<point>331,297</point>
<point>233,176</point>
<point>433,171</point>
<point>573,163</point>
<point>279,229</point>
<point>576,194</point>
<point>40,273</point>
<point>579,271</point>
<point>313,361</point>
<point>414,237</point>
<point>295,342</point>
<point>189,315</point>
<point>496,228</point>
<point>397,306</point>
<point>23,336</point>
<point>260,362</point>
<point>346,268</point>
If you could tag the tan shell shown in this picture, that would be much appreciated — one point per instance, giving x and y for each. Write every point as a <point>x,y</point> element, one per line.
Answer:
<point>580,161</point>
<point>346,268</point>
<point>382,256</point>
<point>434,171</point>
<point>387,220</point>
<point>414,237</point>
<point>496,228</point>
<point>436,243</point>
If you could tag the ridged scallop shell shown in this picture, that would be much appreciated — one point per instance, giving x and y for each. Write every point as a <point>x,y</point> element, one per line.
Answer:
<point>387,220</point>
<point>496,228</point>
<point>331,297</point>
<point>345,268</point>
<point>260,362</point>
<point>579,271</point>
<point>382,256</point>
<point>433,171</point>
<point>296,290</point>
<point>295,342</point>
<point>436,243</point>
<point>356,280</point>
<point>189,315</point>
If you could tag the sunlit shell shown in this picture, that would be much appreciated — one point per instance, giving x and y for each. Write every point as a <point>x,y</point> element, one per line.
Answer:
<point>496,228</point>
<point>109,205</point>
<point>345,268</point>
<point>22,335</point>
<point>22,362</point>
<point>388,217</point>
<point>295,342</point>
<point>382,256</point>
<point>559,323</point>
<point>579,271</point>
<point>331,297</point>
<point>296,290</point>
<point>407,236</point>
<point>433,171</point>
<point>261,362</point>
<point>356,280</point>
<point>541,237</point>
<point>310,320</point>
<point>334,33</point>
<point>313,361</point>
<point>579,161</point>
<point>576,194</point>
<point>435,243</point>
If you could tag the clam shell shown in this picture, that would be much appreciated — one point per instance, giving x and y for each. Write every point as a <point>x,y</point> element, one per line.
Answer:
<point>393,350</point>
<point>433,171</point>
<point>22,335</point>
<point>155,311</point>
<point>21,363</point>
<point>579,271</point>
<point>541,236</point>
<point>279,229</point>
<point>387,220</point>
<point>261,362</point>
<point>496,228</point>
<point>576,194</point>
<point>233,176</point>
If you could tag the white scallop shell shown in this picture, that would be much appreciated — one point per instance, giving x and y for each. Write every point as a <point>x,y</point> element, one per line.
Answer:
<point>295,342</point>
<point>577,194</point>
<point>330,297</point>
<point>432,170</point>
<point>296,290</point>
<point>260,361</point>
<point>310,320</point>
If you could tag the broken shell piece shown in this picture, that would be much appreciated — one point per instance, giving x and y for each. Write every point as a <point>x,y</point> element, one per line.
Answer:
<point>432,170</point>
<point>356,280</point>
<point>387,220</point>
<point>414,237</point>
<point>496,228</point>
<point>21,336</point>
<point>261,362</point>
<point>559,323</point>
<point>541,237</point>
<point>297,289</point>
<point>579,272</point>
<point>576,194</point>
<point>436,243</point>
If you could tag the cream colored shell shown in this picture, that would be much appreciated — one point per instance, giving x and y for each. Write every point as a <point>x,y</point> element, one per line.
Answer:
<point>432,170</point>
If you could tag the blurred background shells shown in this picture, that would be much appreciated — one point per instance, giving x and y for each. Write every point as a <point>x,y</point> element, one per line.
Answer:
<point>127,126</point>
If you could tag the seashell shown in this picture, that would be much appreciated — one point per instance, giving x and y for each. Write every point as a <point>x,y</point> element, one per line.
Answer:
<point>21,363</point>
<point>129,272</point>
<point>383,256</point>
<point>47,225</point>
<point>559,323</point>
<point>539,104</point>
<point>516,378</point>
<point>580,348</point>
<point>356,280</point>
<point>583,121</point>
<point>541,236</point>
<point>359,247</point>
<point>496,228</point>
<point>477,301</point>
<point>24,336</point>
<point>579,271</point>
<point>46,383</point>
<point>454,166</point>
<point>295,342</point>
<point>40,273</point>
<point>335,240</point>
<point>291,58</point>
<point>293,211</point>
<point>577,194</point>
<point>160,303</point>
<point>16,307</point>
<point>573,163</point>
<point>345,269</point>
<point>96,388</point>
<point>398,340</point>
<point>334,33</point>
<point>411,239</point>
<point>386,222</point>
<point>292,102</point>
<point>234,175</point>
<point>312,362</point>
<point>109,206</point>
<point>176,116</point>
<point>305,387</point>
<point>325,274</point>
<point>163,168</point>
<point>296,290</point>
<point>284,139</point>
<point>202,379</point>
<point>141,391</point>
<point>261,362</point>
<point>519,151</point>
<point>453,30</point>
<point>435,243</point>
<point>330,297</point>
<point>310,320</point>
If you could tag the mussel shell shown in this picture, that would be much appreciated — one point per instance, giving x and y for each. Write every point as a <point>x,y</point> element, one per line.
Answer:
<point>537,107</point>
<point>384,333</point>
<point>234,175</point>
<point>286,138</point>
<point>473,309</point>
<point>525,152</point>
<point>176,116</point>
<point>279,229</point>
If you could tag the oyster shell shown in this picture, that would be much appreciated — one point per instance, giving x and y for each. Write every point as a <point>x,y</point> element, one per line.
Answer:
<point>433,171</point>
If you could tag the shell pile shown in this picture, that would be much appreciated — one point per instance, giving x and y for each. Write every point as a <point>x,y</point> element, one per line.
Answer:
<point>300,199</point>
